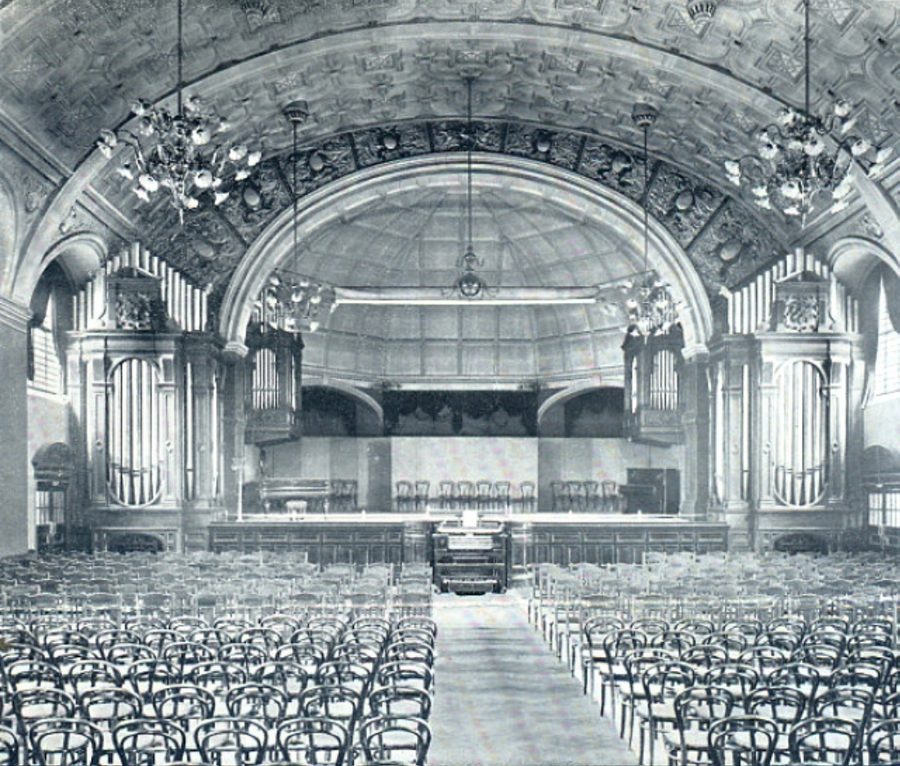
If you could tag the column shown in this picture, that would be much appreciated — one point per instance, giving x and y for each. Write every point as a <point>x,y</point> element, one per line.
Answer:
<point>695,420</point>
<point>14,455</point>
<point>235,383</point>
<point>737,508</point>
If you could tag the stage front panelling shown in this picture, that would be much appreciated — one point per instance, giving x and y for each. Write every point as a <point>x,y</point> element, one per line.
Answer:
<point>464,459</point>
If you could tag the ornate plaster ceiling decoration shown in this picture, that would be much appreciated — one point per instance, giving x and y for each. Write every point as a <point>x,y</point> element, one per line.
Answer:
<point>381,81</point>
<point>724,242</point>
<point>72,65</point>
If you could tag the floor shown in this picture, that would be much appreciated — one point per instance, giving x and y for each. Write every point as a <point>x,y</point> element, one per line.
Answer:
<point>502,698</point>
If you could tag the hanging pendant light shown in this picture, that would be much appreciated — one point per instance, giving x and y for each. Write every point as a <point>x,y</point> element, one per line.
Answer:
<point>796,167</point>
<point>647,301</point>
<point>178,154</point>
<point>469,284</point>
<point>290,301</point>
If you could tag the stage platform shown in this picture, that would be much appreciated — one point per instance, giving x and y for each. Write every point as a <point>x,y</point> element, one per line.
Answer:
<point>561,538</point>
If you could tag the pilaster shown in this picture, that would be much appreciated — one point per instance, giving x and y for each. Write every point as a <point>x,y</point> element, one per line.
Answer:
<point>14,455</point>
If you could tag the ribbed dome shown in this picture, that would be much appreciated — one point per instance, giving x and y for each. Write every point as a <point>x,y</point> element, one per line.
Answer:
<point>415,237</point>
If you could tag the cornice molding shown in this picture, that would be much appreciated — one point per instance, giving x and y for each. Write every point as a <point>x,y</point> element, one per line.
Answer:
<point>27,149</point>
<point>14,316</point>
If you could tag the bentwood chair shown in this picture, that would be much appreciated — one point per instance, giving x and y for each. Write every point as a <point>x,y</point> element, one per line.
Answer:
<point>883,743</point>
<point>313,740</point>
<point>395,738</point>
<point>149,742</point>
<point>233,741</point>
<point>9,747</point>
<point>65,742</point>
<point>742,740</point>
<point>824,741</point>
<point>527,496</point>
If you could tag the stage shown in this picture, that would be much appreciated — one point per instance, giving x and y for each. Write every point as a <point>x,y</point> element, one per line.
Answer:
<point>562,538</point>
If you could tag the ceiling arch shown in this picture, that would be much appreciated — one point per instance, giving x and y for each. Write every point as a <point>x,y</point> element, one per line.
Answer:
<point>72,66</point>
<point>401,221</point>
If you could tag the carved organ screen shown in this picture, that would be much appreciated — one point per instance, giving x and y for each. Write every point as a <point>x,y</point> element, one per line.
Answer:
<point>801,438</point>
<point>135,454</point>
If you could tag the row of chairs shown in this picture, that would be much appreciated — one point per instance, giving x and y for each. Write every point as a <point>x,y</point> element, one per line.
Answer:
<point>216,741</point>
<point>328,680</point>
<point>486,494</point>
<point>801,673</point>
<point>586,496</point>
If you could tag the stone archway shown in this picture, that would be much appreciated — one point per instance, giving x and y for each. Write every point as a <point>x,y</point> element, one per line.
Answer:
<point>569,190</point>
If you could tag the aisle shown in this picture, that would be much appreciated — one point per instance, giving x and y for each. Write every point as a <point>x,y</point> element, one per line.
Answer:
<point>502,698</point>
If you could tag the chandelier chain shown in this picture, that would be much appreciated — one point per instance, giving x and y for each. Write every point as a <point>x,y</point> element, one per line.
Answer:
<point>471,142</point>
<point>179,53</point>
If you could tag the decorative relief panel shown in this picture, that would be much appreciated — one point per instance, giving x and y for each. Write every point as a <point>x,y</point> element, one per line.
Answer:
<point>613,167</point>
<point>731,247</point>
<point>681,204</point>
<point>724,241</point>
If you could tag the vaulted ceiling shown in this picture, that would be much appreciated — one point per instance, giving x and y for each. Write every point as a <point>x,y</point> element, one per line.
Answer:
<point>573,67</point>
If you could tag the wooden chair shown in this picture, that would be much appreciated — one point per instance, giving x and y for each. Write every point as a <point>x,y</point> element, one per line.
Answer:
<point>446,494</point>
<point>483,489</point>
<point>422,496</point>
<point>501,494</point>
<point>825,740</point>
<point>465,494</point>
<point>405,496</point>
<point>527,496</point>
<point>559,496</point>
<point>742,739</point>
<point>609,496</point>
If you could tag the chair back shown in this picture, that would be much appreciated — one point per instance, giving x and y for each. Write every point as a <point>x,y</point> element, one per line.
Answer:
<point>390,737</point>
<point>883,742</point>
<point>742,740</point>
<point>824,740</point>
<point>313,739</point>
<point>235,741</point>
<point>65,742</point>
<point>141,741</point>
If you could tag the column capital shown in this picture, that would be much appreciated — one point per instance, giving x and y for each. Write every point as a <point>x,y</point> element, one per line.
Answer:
<point>236,349</point>
<point>14,315</point>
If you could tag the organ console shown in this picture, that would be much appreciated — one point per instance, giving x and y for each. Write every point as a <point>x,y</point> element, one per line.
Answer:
<point>471,557</point>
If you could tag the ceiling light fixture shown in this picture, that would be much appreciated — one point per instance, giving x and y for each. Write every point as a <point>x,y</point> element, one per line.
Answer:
<point>795,164</point>
<point>469,285</point>
<point>647,301</point>
<point>178,152</point>
<point>290,301</point>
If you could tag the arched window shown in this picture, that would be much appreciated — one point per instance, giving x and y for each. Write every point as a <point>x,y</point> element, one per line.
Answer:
<point>887,362</point>
<point>50,305</point>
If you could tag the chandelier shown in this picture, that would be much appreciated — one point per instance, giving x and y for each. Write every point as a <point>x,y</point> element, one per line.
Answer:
<point>469,284</point>
<point>290,301</point>
<point>647,300</point>
<point>795,165</point>
<point>178,152</point>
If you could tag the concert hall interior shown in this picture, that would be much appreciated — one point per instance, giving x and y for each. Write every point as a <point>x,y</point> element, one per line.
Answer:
<point>449,381</point>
